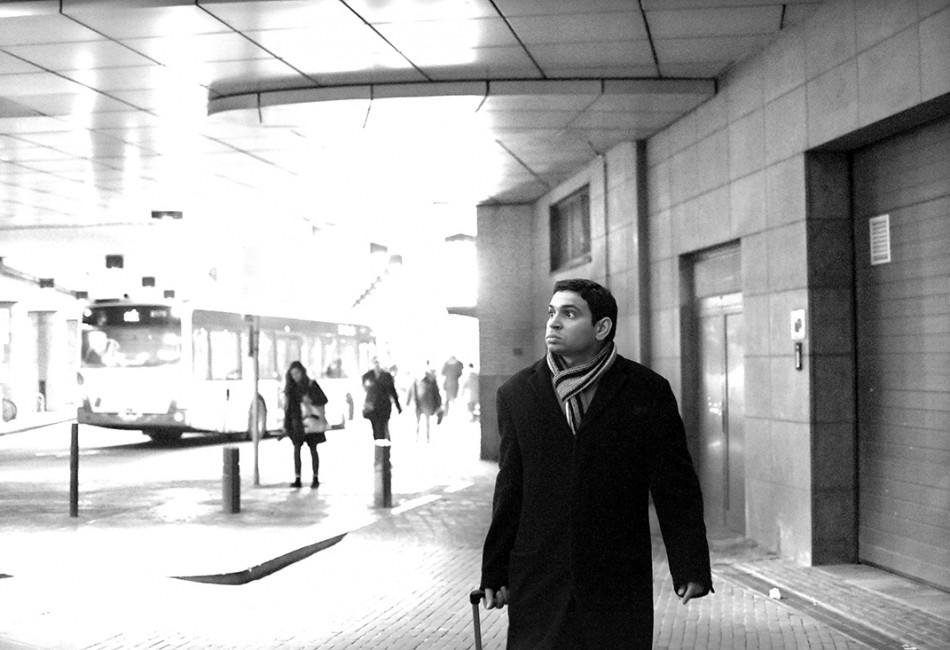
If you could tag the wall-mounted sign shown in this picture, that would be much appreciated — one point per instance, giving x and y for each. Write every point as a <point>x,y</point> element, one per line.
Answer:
<point>797,318</point>
<point>880,227</point>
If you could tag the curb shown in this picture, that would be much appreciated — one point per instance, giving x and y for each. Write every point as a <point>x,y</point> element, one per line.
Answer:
<point>20,428</point>
<point>264,569</point>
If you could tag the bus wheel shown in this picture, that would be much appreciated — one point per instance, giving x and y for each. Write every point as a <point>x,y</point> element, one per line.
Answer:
<point>163,436</point>
<point>261,420</point>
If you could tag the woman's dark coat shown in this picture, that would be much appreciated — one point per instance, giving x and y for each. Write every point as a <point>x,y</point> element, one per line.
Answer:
<point>571,513</point>
<point>293,417</point>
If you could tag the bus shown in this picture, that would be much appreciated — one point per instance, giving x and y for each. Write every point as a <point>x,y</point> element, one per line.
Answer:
<point>166,368</point>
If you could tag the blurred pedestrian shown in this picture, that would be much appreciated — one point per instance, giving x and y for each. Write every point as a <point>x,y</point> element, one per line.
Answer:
<point>425,393</point>
<point>587,437</point>
<point>380,397</point>
<point>301,395</point>
<point>470,392</point>
<point>451,370</point>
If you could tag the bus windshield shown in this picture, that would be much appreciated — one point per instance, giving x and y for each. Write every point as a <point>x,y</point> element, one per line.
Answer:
<point>133,336</point>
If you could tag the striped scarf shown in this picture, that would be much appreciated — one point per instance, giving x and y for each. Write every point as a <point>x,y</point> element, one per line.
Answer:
<point>569,383</point>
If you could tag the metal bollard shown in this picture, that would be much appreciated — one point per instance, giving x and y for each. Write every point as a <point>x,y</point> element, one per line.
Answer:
<point>384,475</point>
<point>74,471</point>
<point>231,480</point>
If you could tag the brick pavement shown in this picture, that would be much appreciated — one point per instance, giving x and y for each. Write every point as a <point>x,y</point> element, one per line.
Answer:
<point>402,582</point>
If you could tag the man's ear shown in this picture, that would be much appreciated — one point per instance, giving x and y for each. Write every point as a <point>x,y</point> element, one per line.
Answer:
<point>602,328</point>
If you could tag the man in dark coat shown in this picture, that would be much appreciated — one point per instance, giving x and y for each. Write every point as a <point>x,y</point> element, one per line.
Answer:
<point>380,389</point>
<point>586,437</point>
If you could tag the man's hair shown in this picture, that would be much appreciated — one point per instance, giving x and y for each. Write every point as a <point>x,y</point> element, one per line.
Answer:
<point>601,302</point>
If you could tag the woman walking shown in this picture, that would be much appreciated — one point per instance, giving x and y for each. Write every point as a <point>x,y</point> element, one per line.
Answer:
<point>425,393</point>
<point>300,391</point>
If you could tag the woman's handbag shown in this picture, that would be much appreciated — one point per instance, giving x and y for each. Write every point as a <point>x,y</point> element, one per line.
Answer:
<point>314,418</point>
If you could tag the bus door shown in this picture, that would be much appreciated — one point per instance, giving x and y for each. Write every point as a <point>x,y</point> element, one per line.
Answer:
<point>226,362</point>
<point>217,395</point>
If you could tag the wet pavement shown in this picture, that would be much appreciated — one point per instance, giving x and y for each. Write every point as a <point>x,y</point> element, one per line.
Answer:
<point>325,568</point>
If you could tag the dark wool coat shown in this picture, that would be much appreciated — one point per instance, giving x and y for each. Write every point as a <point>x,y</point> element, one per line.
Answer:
<point>379,391</point>
<point>570,525</point>
<point>425,393</point>
<point>293,417</point>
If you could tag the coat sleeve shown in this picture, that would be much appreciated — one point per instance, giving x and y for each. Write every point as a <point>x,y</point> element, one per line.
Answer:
<point>391,388</point>
<point>676,495</point>
<point>317,396</point>
<point>506,505</point>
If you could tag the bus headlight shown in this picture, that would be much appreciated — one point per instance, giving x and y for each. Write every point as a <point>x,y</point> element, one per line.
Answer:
<point>177,414</point>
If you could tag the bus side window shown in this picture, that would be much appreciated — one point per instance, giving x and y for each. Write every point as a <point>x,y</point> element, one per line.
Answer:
<point>313,355</point>
<point>201,368</point>
<point>265,356</point>
<point>288,350</point>
<point>225,355</point>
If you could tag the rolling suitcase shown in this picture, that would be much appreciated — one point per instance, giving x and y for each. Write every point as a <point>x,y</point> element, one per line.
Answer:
<point>476,597</point>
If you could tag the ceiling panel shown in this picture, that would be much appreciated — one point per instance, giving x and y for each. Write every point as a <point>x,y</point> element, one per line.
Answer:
<point>181,51</point>
<point>687,50</point>
<point>580,28</point>
<point>49,28</point>
<point>560,7</point>
<point>79,56</point>
<point>81,144</point>
<point>121,23</point>
<point>618,71</point>
<point>717,4</point>
<point>427,38</point>
<point>239,75</point>
<point>529,119</point>
<point>726,21</point>
<point>477,63</point>
<point>35,83</point>
<point>694,69</point>
<point>281,14</point>
<point>10,64</point>
<point>137,77</point>
<point>797,13</point>
<point>625,120</point>
<point>81,102</point>
<point>594,56</point>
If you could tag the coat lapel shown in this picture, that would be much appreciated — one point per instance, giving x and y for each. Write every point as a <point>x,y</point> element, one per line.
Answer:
<point>550,409</point>
<point>607,388</point>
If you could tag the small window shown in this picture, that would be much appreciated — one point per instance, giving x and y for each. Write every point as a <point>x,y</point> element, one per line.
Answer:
<point>570,230</point>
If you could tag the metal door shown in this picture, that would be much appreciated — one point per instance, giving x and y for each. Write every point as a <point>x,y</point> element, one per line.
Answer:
<point>721,461</point>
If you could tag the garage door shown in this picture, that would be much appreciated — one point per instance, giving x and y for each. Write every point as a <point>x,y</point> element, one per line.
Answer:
<point>902,276</point>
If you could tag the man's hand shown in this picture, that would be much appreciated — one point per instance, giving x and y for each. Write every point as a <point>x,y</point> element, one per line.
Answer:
<point>496,600</point>
<point>690,591</point>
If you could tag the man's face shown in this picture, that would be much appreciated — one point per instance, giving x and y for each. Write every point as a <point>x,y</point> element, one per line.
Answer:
<point>571,331</point>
